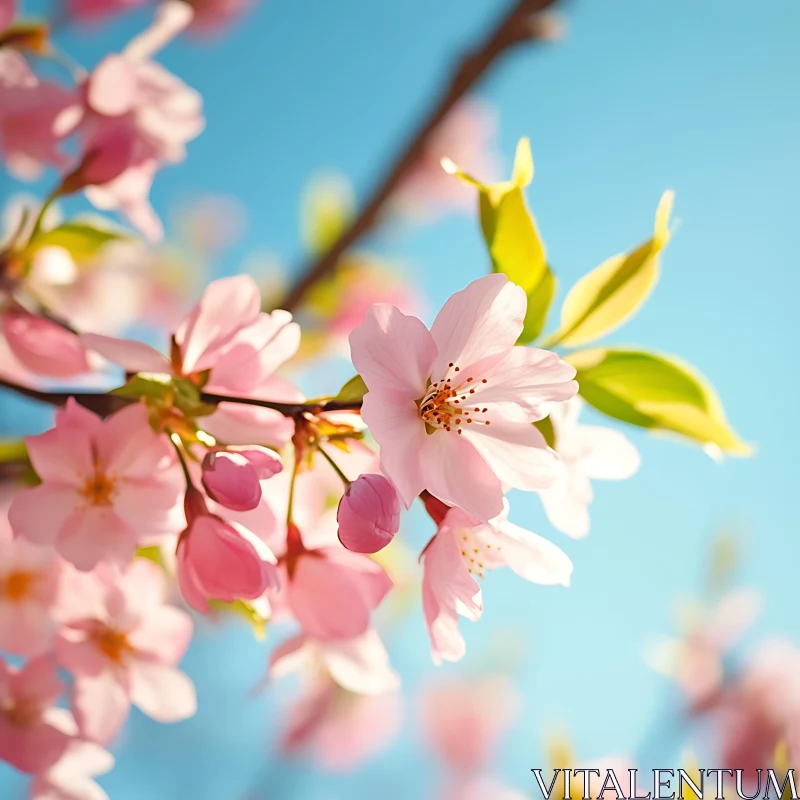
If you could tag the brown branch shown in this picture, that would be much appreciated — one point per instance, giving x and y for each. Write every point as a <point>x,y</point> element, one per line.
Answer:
<point>106,404</point>
<point>517,25</point>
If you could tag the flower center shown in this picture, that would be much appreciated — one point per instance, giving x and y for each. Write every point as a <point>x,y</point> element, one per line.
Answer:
<point>112,644</point>
<point>478,552</point>
<point>447,405</point>
<point>99,488</point>
<point>17,585</point>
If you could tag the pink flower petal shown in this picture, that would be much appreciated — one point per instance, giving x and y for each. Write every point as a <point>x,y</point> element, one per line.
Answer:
<point>163,693</point>
<point>131,356</point>
<point>393,352</point>
<point>481,321</point>
<point>101,706</point>
<point>534,558</point>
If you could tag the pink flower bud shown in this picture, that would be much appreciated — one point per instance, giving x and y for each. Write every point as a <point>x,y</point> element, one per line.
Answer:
<point>232,477</point>
<point>369,514</point>
<point>44,346</point>
<point>222,560</point>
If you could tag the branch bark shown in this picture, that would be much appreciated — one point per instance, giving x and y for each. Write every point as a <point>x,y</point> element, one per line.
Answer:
<point>515,27</point>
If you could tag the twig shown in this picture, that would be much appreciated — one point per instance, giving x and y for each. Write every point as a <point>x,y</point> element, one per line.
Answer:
<point>515,27</point>
<point>105,404</point>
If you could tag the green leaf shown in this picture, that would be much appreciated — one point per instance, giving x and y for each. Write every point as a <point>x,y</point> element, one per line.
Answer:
<point>81,239</point>
<point>607,296</point>
<point>513,240</point>
<point>154,554</point>
<point>187,399</point>
<point>150,386</point>
<point>656,392</point>
<point>353,391</point>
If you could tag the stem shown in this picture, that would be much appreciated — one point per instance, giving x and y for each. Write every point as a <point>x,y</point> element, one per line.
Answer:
<point>178,445</point>
<point>512,29</point>
<point>37,225</point>
<point>345,480</point>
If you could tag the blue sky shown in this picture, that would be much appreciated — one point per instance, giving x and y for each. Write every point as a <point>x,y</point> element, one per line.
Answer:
<point>640,97</point>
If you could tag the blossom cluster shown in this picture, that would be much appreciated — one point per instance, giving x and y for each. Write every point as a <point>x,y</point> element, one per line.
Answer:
<point>207,483</point>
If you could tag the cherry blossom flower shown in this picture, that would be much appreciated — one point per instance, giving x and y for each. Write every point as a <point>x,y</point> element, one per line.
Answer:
<point>349,708</point>
<point>106,486</point>
<point>29,583</point>
<point>43,346</point>
<point>695,661</point>
<point>70,778</point>
<point>34,116</point>
<point>227,334</point>
<point>123,644</point>
<point>368,514</point>
<point>451,408</point>
<point>31,735</point>
<point>311,577</point>
<point>464,548</point>
<point>220,560</point>
<point>232,477</point>
<point>586,452</point>
<point>137,117</point>
<point>340,729</point>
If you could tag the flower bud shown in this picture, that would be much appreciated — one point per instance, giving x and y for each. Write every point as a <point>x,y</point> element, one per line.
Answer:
<point>43,346</point>
<point>369,514</point>
<point>221,560</point>
<point>232,477</point>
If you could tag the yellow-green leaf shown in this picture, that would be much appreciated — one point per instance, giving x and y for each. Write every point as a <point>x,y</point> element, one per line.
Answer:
<point>607,296</point>
<point>510,231</point>
<point>12,451</point>
<point>328,206</point>
<point>249,612</point>
<point>656,392</point>
<point>353,391</point>
<point>545,427</point>
<point>81,240</point>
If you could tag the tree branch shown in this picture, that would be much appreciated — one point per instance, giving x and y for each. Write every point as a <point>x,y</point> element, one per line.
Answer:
<point>515,27</point>
<point>106,404</point>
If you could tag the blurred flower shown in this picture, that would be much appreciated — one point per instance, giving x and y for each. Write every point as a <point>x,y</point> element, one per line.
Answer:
<point>695,661</point>
<point>586,452</point>
<point>368,514</point>
<point>340,729</point>
<point>452,407</point>
<point>29,581</point>
<point>34,116</point>
<point>227,334</point>
<point>137,117</point>
<point>122,644</point>
<point>31,739</point>
<point>463,720</point>
<point>761,708</point>
<point>219,560</point>
<point>106,486</point>
<point>466,136</point>
<point>464,547</point>
<point>70,778</point>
